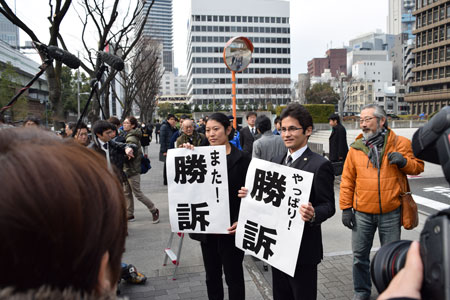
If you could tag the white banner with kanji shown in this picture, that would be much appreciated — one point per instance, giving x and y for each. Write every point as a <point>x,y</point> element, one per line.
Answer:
<point>198,189</point>
<point>270,226</point>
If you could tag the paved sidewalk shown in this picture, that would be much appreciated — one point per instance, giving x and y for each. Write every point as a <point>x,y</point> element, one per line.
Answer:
<point>146,243</point>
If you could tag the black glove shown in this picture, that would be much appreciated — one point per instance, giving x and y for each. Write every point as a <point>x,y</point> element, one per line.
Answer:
<point>348,218</point>
<point>397,158</point>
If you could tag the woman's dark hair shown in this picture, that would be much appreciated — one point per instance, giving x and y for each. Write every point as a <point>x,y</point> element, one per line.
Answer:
<point>115,121</point>
<point>61,210</point>
<point>33,119</point>
<point>300,113</point>
<point>222,119</point>
<point>263,123</point>
<point>133,121</point>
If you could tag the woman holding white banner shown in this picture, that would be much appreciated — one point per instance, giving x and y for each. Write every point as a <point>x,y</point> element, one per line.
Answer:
<point>219,251</point>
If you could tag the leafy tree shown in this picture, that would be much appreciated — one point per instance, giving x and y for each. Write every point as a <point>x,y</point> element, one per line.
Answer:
<point>69,90</point>
<point>321,93</point>
<point>8,88</point>
<point>165,109</point>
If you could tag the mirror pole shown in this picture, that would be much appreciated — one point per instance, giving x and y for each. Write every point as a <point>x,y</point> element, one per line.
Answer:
<point>233,91</point>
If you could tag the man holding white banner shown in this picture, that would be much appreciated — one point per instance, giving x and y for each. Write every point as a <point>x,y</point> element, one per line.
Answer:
<point>296,127</point>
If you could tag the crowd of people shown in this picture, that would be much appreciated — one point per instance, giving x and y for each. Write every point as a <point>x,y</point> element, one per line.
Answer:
<point>46,236</point>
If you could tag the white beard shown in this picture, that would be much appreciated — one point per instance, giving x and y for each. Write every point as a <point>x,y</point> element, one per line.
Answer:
<point>367,135</point>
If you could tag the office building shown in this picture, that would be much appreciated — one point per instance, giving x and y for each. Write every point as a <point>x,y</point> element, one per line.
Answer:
<point>159,27</point>
<point>335,61</point>
<point>267,79</point>
<point>9,32</point>
<point>430,89</point>
<point>400,18</point>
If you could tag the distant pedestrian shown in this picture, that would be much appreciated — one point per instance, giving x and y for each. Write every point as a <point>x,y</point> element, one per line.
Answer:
<point>177,133</point>
<point>268,145</point>
<point>146,138</point>
<point>248,134</point>
<point>338,139</point>
<point>201,126</point>
<point>132,169</point>
<point>277,123</point>
<point>157,130</point>
<point>167,130</point>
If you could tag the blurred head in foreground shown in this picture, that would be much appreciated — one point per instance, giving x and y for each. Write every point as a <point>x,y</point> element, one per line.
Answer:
<point>62,215</point>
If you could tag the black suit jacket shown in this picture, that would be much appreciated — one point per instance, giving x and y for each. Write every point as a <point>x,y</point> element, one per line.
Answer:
<point>338,143</point>
<point>321,198</point>
<point>246,140</point>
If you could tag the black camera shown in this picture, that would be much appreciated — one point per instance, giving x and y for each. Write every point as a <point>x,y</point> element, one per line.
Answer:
<point>435,254</point>
<point>430,143</point>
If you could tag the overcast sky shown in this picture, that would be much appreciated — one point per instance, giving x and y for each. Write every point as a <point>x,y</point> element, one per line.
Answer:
<point>316,25</point>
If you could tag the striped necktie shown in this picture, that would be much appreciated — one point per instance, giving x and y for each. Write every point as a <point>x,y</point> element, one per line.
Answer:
<point>289,161</point>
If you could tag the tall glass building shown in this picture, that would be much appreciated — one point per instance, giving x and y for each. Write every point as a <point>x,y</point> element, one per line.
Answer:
<point>9,32</point>
<point>159,27</point>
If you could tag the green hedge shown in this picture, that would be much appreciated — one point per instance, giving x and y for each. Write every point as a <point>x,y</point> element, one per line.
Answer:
<point>319,112</point>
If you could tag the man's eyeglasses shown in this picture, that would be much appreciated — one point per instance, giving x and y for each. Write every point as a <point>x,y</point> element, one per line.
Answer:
<point>366,120</point>
<point>290,129</point>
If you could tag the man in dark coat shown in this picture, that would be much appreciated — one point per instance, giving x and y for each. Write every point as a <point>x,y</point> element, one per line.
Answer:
<point>338,139</point>
<point>113,151</point>
<point>167,130</point>
<point>296,127</point>
<point>247,135</point>
<point>157,130</point>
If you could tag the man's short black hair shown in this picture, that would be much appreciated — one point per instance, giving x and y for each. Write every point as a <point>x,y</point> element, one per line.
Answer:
<point>71,125</point>
<point>251,113</point>
<point>277,120</point>
<point>334,117</point>
<point>300,113</point>
<point>101,126</point>
<point>171,116</point>
<point>263,123</point>
<point>33,119</point>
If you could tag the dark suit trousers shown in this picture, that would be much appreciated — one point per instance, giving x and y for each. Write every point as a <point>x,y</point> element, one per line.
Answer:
<point>303,286</point>
<point>219,251</point>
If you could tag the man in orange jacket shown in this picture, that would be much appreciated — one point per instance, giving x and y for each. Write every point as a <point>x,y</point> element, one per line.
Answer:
<point>373,178</point>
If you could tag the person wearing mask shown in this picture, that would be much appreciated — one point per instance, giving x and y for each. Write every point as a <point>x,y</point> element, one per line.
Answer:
<point>132,169</point>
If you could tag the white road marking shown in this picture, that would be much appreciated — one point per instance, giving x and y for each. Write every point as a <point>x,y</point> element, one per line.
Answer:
<point>430,203</point>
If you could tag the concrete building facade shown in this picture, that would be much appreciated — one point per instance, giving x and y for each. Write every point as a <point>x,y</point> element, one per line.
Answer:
<point>430,89</point>
<point>173,85</point>
<point>400,18</point>
<point>364,55</point>
<point>212,23</point>
<point>303,85</point>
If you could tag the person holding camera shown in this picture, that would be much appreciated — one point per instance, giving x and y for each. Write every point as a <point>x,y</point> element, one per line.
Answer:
<point>374,173</point>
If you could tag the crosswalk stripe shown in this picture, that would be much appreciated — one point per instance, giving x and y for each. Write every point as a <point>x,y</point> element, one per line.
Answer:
<point>430,203</point>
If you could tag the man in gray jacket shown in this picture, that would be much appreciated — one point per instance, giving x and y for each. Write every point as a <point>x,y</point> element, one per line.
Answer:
<point>268,145</point>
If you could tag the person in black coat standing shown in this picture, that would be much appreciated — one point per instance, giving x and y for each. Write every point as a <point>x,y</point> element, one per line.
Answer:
<point>338,139</point>
<point>296,127</point>
<point>167,130</point>
<point>248,134</point>
<point>220,254</point>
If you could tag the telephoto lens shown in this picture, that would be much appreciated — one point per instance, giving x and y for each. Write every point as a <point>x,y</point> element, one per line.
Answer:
<point>387,262</point>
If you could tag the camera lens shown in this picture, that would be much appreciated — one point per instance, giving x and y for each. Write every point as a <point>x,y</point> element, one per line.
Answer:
<point>387,262</point>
